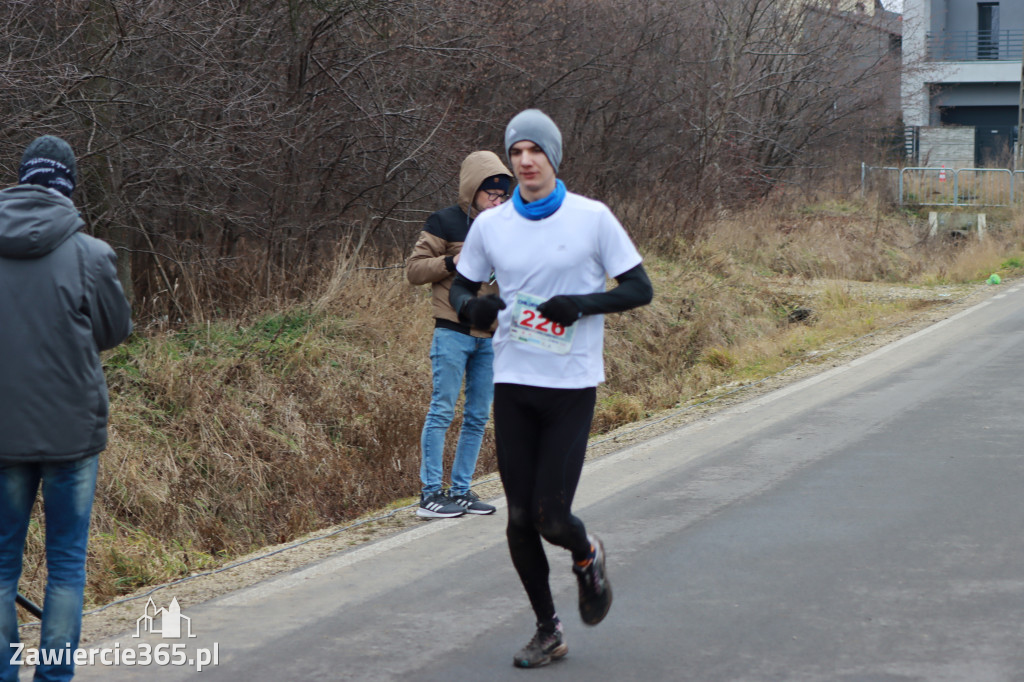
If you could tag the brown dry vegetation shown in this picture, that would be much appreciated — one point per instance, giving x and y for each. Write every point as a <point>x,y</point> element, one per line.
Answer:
<point>259,166</point>
<point>231,435</point>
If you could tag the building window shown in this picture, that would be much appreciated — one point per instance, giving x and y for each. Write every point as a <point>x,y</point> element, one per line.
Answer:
<point>988,30</point>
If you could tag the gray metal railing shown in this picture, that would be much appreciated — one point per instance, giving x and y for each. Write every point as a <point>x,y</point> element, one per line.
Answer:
<point>972,46</point>
<point>946,186</point>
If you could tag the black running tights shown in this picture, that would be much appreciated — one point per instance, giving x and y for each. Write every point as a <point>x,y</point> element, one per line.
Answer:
<point>541,437</point>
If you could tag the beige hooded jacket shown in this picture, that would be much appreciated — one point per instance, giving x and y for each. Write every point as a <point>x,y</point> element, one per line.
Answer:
<point>442,237</point>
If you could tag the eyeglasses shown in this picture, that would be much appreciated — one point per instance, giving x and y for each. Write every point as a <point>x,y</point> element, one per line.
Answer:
<point>496,195</point>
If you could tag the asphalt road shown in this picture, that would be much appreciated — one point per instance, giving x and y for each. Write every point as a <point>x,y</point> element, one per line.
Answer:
<point>864,524</point>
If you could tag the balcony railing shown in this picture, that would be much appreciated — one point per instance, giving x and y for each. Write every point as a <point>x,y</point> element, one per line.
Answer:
<point>973,46</point>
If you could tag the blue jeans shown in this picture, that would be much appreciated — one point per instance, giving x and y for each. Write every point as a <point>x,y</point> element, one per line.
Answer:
<point>68,490</point>
<point>454,355</point>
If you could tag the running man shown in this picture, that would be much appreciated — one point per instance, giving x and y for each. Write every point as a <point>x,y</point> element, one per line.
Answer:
<point>550,251</point>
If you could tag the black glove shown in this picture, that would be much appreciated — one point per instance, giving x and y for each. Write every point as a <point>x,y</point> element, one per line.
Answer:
<point>482,311</point>
<point>561,309</point>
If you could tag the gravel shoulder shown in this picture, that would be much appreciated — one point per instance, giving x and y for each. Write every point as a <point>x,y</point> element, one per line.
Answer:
<point>937,303</point>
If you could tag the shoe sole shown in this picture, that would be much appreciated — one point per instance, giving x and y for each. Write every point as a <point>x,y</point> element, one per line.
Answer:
<point>559,653</point>
<point>427,514</point>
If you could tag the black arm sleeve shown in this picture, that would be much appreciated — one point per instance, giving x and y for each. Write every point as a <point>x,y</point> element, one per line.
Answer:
<point>634,290</point>
<point>462,290</point>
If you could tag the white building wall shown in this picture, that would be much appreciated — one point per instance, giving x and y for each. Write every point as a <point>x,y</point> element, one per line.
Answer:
<point>913,91</point>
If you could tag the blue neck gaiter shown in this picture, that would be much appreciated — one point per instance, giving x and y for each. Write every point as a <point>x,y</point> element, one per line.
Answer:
<point>542,208</point>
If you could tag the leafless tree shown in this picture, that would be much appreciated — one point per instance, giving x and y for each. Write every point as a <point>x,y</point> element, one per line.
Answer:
<point>229,148</point>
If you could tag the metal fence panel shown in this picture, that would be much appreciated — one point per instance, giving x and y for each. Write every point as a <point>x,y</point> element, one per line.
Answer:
<point>922,186</point>
<point>928,186</point>
<point>880,179</point>
<point>984,187</point>
<point>1017,187</point>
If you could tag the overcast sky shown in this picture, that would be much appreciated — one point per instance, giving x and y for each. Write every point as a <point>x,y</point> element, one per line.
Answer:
<point>893,5</point>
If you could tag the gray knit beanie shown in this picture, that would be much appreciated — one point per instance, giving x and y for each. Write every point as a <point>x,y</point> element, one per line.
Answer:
<point>534,125</point>
<point>49,161</point>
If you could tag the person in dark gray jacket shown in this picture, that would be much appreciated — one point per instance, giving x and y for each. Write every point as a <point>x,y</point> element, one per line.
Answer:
<point>60,305</point>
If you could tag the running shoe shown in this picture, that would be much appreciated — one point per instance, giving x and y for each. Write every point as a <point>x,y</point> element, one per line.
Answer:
<point>542,649</point>
<point>470,501</point>
<point>595,590</point>
<point>438,505</point>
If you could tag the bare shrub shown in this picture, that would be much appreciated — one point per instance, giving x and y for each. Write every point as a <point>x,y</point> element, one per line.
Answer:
<point>228,149</point>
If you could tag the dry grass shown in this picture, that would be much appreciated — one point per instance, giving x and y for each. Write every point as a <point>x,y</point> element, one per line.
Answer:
<point>241,433</point>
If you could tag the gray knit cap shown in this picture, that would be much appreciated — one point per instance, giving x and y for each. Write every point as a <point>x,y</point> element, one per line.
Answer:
<point>49,161</point>
<point>534,125</point>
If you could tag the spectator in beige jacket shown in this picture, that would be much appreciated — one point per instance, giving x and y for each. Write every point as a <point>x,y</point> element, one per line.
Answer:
<point>457,352</point>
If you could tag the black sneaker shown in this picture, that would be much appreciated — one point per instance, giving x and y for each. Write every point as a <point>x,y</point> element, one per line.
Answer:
<point>595,590</point>
<point>470,501</point>
<point>439,506</point>
<point>542,649</point>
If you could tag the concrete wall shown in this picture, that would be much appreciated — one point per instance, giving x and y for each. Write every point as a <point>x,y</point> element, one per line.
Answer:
<point>938,14</point>
<point>951,147</point>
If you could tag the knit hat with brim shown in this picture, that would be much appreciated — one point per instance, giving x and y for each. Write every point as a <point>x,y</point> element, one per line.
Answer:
<point>49,161</point>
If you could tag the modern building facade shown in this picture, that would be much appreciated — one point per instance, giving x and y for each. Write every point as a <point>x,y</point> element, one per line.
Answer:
<point>962,67</point>
<point>872,41</point>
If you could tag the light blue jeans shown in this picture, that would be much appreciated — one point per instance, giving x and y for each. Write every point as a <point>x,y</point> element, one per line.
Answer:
<point>68,491</point>
<point>454,355</point>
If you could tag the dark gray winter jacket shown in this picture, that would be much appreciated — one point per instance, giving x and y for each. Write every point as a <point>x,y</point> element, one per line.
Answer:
<point>60,304</point>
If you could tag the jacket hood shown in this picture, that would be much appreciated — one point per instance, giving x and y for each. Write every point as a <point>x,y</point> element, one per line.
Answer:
<point>476,168</point>
<point>34,221</point>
